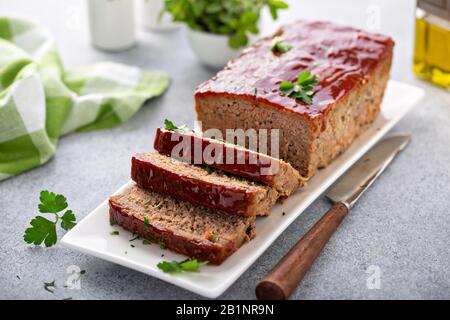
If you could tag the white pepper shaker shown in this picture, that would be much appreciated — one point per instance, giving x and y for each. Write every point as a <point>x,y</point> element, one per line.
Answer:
<point>111,24</point>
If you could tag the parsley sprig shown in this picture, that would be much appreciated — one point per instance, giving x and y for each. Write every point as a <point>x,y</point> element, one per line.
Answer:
<point>44,230</point>
<point>169,125</point>
<point>302,88</point>
<point>236,19</point>
<point>188,265</point>
<point>279,46</point>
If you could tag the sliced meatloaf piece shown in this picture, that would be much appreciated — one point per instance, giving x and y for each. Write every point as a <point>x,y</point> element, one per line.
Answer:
<point>180,226</point>
<point>201,185</point>
<point>192,148</point>
<point>352,67</point>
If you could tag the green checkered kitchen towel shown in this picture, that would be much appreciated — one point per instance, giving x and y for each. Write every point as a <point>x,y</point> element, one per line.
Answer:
<point>40,100</point>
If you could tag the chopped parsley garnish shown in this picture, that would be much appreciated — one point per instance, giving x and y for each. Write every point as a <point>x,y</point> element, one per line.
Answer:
<point>208,169</point>
<point>170,126</point>
<point>112,222</point>
<point>145,241</point>
<point>49,286</point>
<point>135,238</point>
<point>189,265</point>
<point>302,89</point>
<point>279,46</point>
<point>146,222</point>
<point>43,230</point>
<point>114,233</point>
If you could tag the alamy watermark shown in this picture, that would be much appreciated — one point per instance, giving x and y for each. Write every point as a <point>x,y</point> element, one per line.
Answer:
<point>373,281</point>
<point>192,150</point>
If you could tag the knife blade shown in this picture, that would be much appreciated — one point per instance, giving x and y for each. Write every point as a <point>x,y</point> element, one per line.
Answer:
<point>349,188</point>
<point>282,280</point>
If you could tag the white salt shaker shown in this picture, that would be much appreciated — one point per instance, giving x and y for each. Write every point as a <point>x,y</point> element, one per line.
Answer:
<point>111,24</point>
<point>153,16</point>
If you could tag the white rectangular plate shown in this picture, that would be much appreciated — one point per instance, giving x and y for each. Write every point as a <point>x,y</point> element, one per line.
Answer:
<point>92,234</point>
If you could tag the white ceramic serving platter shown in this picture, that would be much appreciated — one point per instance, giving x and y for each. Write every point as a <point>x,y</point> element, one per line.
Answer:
<point>92,234</point>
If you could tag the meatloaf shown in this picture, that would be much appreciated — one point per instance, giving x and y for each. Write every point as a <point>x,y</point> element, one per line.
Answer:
<point>180,226</point>
<point>352,67</point>
<point>201,185</point>
<point>195,149</point>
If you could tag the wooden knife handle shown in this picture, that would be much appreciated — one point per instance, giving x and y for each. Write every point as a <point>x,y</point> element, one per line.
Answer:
<point>279,283</point>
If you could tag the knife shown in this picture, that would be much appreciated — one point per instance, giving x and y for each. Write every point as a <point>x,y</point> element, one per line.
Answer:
<point>282,280</point>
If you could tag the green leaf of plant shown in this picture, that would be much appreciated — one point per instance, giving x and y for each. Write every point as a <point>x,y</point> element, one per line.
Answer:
<point>42,230</point>
<point>189,265</point>
<point>169,125</point>
<point>192,265</point>
<point>303,76</point>
<point>169,266</point>
<point>279,46</point>
<point>302,89</point>
<point>238,40</point>
<point>68,220</point>
<point>228,17</point>
<point>51,202</point>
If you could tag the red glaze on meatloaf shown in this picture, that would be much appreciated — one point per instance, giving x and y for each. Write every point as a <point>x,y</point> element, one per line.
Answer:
<point>211,189</point>
<point>341,57</point>
<point>180,226</point>
<point>191,148</point>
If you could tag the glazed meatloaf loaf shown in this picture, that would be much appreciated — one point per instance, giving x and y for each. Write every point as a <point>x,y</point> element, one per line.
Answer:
<point>229,158</point>
<point>180,226</point>
<point>352,68</point>
<point>201,185</point>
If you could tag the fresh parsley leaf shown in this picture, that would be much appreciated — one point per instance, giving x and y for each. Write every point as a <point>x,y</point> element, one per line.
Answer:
<point>189,265</point>
<point>302,89</point>
<point>114,233</point>
<point>68,220</point>
<point>146,222</point>
<point>274,6</point>
<point>169,266</point>
<point>170,126</point>
<point>51,202</point>
<point>208,169</point>
<point>279,46</point>
<point>234,18</point>
<point>112,222</point>
<point>42,230</point>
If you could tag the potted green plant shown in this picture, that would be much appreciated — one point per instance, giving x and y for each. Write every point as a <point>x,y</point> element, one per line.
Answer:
<point>219,29</point>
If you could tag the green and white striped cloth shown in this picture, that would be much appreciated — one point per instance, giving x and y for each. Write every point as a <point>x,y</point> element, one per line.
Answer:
<point>40,100</point>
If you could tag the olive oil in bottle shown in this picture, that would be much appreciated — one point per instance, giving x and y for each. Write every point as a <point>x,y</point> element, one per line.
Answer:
<point>432,48</point>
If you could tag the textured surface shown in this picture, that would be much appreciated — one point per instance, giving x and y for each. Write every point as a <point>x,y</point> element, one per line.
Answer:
<point>400,225</point>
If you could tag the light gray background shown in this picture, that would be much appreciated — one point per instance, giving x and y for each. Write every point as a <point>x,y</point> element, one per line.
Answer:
<point>401,224</point>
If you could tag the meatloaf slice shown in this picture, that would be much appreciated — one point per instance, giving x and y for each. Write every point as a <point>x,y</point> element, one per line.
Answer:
<point>201,186</point>
<point>231,158</point>
<point>352,67</point>
<point>180,226</point>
